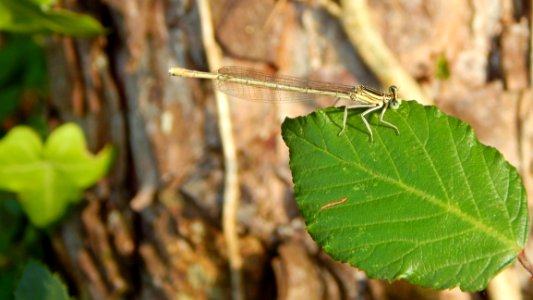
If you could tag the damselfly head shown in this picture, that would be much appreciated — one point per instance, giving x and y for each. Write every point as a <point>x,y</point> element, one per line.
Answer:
<point>394,101</point>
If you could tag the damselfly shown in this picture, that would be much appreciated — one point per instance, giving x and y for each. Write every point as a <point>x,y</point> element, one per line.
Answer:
<point>250,84</point>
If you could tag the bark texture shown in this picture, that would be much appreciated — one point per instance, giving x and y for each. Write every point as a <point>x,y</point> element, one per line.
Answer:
<point>152,229</point>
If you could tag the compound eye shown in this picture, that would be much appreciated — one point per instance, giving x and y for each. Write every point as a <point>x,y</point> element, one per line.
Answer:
<point>395,104</point>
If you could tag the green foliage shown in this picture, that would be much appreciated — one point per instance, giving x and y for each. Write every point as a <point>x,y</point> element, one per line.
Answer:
<point>37,283</point>
<point>37,17</point>
<point>18,242</point>
<point>47,178</point>
<point>22,81</point>
<point>44,3</point>
<point>23,87</point>
<point>432,206</point>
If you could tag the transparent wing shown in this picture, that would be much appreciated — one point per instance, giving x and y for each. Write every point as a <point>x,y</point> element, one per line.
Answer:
<point>280,88</point>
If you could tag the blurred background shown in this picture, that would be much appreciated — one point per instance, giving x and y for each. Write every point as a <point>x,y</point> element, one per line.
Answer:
<point>199,201</point>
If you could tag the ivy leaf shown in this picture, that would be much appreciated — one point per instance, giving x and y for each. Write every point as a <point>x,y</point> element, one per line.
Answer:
<point>48,177</point>
<point>38,283</point>
<point>432,205</point>
<point>67,148</point>
<point>25,16</point>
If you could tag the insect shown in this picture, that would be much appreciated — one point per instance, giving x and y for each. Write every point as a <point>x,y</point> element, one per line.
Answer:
<point>254,85</point>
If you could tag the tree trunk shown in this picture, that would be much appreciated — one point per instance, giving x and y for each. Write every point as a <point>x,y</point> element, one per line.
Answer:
<point>153,229</point>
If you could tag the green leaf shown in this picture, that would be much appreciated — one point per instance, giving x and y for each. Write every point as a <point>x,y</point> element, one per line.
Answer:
<point>432,205</point>
<point>67,148</point>
<point>48,177</point>
<point>38,283</point>
<point>22,62</point>
<point>25,16</point>
<point>44,3</point>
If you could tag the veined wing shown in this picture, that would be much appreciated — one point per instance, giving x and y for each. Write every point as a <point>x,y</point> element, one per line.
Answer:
<point>254,85</point>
